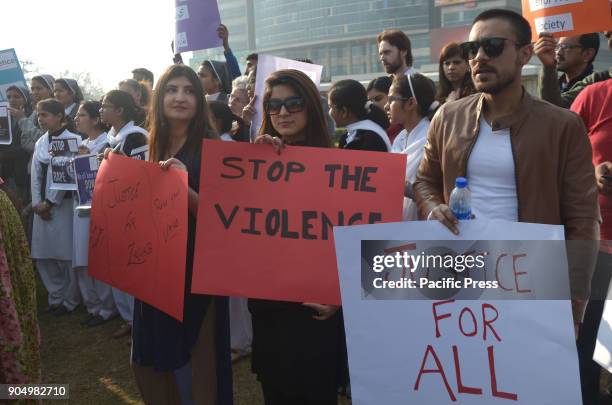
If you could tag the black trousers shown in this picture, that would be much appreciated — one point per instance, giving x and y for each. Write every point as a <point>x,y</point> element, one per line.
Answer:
<point>273,396</point>
<point>590,371</point>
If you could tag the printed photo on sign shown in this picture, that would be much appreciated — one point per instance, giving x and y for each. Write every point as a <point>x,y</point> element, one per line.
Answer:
<point>86,169</point>
<point>141,153</point>
<point>63,151</point>
<point>6,132</point>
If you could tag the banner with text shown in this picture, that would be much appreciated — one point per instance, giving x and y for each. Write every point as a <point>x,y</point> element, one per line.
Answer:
<point>565,18</point>
<point>138,231</point>
<point>452,350</point>
<point>265,220</point>
<point>10,72</point>
<point>196,25</point>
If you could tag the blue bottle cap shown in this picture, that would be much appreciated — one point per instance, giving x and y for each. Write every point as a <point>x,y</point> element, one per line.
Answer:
<point>461,182</point>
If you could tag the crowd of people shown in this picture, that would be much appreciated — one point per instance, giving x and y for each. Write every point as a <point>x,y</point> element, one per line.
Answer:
<point>543,160</point>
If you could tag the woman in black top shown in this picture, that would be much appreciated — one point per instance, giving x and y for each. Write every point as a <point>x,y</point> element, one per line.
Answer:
<point>297,350</point>
<point>188,361</point>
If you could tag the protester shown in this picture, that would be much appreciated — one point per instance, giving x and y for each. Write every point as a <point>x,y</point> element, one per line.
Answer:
<point>68,92</point>
<point>215,80</point>
<point>549,87</point>
<point>141,96</point>
<point>119,112</point>
<point>378,91</point>
<point>41,89</point>
<point>230,59</point>
<point>251,63</point>
<point>491,139</point>
<point>296,347</point>
<point>97,296</point>
<point>229,126</point>
<point>594,107</point>
<point>14,158</point>
<point>240,95</point>
<point>182,362</point>
<point>395,52</point>
<point>365,123</point>
<point>411,104</point>
<point>454,78</point>
<point>52,232</point>
<point>143,75</point>
<point>19,340</point>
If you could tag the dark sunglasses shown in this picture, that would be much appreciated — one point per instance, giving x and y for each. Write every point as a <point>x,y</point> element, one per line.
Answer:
<point>292,105</point>
<point>493,47</point>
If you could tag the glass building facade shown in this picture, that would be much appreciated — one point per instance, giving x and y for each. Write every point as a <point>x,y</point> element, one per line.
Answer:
<point>341,34</point>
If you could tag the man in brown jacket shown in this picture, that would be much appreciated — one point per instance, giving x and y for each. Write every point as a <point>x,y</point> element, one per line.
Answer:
<point>526,160</point>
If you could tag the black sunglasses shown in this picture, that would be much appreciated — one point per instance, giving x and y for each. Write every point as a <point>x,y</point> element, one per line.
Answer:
<point>293,104</point>
<point>493,47</point>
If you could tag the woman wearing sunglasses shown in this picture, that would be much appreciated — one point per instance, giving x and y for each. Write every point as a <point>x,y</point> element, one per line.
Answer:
<point>411,104</point>
<point>365,123</point>
<point>454,73</point>
<point>296,347</point>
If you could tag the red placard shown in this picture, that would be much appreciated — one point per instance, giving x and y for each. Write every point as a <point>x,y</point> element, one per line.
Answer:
<point>138,231</point>
<point>265,220</point>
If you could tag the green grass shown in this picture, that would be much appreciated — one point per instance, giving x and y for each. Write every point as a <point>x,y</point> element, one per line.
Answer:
<point>96,366</point>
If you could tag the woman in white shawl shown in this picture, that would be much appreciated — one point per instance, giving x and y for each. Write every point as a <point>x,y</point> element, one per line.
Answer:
<point>52,232</point>
<point>119,111</point>
<point>411,103</point>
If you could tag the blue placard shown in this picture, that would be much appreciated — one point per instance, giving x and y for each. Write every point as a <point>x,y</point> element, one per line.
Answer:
<point>86,169</point>
<point>10,72</point>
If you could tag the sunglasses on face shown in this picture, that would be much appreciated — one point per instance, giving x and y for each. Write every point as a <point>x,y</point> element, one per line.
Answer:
<point>291,104</point>
<point>492,47</point>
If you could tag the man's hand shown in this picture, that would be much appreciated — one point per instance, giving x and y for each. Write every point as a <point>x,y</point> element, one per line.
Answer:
<point>224,35</point>
<point>248,112</point>
<point>443,214</point>
<point>601,170</point>
<point>545,49</point>
<point>324,311</point>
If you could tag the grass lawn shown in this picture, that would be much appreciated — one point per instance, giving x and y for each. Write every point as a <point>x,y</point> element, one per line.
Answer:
<point>97,366</point>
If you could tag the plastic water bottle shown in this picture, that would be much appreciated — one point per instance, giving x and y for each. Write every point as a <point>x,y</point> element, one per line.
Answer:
<point>461,199</point>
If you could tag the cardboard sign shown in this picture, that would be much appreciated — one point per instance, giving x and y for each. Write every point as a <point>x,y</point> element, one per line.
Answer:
<point>10,72</point>
<point>6,130</point>
<point>472,352</point>
<point>138,231</point>
<point>565,18</point>
<point>141,153</point>
<point>266,65</point>
<point>265,220</point>
<point>62,169</point>
<point>196,25</point>
<point>85,168</point>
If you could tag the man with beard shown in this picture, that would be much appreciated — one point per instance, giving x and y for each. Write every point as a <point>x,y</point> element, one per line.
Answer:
<point>526,160</point>
<point>394,52</point>
<point>549,89</point>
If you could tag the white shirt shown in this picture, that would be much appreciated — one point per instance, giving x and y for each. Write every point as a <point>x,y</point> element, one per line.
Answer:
<point>69,109</point>
<point>226,137</point>
<point>412,145</point>
<point>213,97</point>
<point>491,175</point>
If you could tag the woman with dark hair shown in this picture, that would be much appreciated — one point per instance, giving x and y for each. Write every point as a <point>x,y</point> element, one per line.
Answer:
<point>14,158</point>
<point>68,92</point>
<point>140,93</point>
<point>41,89</point>
<point>182,362</point>
<point>119,111</point>
<point>365,123</point>
<point>412,104</point>
<point>97,296</point>
<point>455,80</point>
<point>378,90</point>
<point>229,126</point>
<point>215,80</point>
<point>297,348</point>
<point>52,231</point>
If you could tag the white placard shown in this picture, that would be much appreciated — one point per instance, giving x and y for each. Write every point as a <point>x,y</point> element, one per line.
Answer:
<point>522,352</point>
<point>535,5</point>
<point>555,23</point>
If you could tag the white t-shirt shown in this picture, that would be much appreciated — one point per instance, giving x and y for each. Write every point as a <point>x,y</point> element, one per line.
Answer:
<point>491,175</point>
